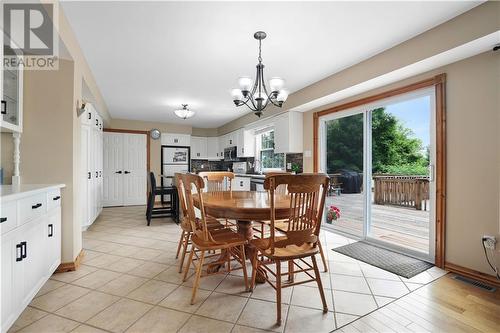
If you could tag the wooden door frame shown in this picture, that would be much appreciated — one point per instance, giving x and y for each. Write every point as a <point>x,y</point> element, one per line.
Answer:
<point>148,142</point>
<point>439,84</point>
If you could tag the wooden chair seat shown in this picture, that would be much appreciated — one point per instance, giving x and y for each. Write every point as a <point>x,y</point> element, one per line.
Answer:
<point>291,251</point>
<point>223,238</point>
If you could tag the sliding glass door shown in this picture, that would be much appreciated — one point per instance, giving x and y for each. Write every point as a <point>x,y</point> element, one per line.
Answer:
<point>380,160</point>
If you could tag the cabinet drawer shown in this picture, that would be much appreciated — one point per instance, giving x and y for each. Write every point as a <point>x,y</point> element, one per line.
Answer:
<point>53,199</point>
<point>8,214</point>
<point>241,184</point>
<point>31,207</point>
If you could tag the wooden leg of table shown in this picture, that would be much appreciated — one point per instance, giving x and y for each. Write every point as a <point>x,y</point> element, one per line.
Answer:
<point>245,229</point>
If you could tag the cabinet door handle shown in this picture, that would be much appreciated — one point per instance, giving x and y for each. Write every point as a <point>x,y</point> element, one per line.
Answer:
<point>51,230</point>
<point>96,174</point>
<point>38,205</point>
<point>24,249</point>
<point>4,107</point>
<point>118,172</point>
<point>56,198</point>
<point>97,122</point>
<point>3,219</point>
<point>90,115</point>
<point>19,255</point>
<point>126,172</point>
<point>100,173</point>
<point>241,183</point>
<point>89,175</point>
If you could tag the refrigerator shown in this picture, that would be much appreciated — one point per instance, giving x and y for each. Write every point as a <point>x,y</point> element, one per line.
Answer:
<point>174,159</point>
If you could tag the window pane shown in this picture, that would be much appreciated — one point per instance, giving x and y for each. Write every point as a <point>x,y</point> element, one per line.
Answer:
<point>267,140</point>
<point>271,160</point>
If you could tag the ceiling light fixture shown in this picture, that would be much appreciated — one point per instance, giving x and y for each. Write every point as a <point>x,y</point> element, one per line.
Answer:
<point>257,98</point>
<point>184,113</point>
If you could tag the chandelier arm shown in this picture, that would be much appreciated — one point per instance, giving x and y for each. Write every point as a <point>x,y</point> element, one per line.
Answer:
<point>251,107</point>
<point>276,103</point>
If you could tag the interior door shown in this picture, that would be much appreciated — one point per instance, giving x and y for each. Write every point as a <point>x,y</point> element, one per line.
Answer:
<point>134,169</point>
<point>85,176</point>
<point>113,169</point>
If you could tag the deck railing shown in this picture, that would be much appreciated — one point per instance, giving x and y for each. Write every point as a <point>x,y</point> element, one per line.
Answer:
<point>406,191</point>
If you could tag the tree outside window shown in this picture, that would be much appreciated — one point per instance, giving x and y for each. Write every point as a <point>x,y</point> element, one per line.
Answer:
<point>268,158</point>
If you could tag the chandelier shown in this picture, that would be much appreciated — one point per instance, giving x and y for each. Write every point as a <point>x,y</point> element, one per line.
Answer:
<point>258,97</point>
<point>184,113</point>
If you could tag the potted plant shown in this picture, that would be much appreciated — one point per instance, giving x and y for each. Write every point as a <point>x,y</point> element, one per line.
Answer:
<point>333,214</point>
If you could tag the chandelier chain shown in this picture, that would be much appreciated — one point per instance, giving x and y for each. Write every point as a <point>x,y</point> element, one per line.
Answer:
<point>260,51</point>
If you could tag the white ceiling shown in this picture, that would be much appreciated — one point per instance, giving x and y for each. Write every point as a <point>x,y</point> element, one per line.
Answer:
<point>150,57</point>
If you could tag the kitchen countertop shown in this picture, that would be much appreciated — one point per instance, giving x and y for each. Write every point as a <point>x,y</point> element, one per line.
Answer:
<point>11,192</point>
<point>250,175</point>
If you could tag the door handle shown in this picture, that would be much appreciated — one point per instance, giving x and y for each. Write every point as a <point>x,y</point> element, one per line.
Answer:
<point>126,172</point>
<point>3,219</point>
<point>4,107</point>
<point>118,172</point>
<point>51,230</point>
<point>89,175</point>
<point>24,250</point>
<point>56,198</point>
<point>38,205</point>
<point>19,255</point>
<point>96,174</point>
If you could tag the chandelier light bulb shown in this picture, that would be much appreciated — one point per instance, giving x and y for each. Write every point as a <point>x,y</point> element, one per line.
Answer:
<point>237,94</point>
<point>245,83</point>
<point>276,84</point>
<point>282,96</point>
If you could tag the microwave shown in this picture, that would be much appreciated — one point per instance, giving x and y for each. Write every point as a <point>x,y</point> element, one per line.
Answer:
<point>230,153</point>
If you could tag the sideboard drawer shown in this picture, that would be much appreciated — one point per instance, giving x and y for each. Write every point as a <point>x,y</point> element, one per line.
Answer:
<point>8,216</point>
<point>53,199</point>
<point>32,207</point>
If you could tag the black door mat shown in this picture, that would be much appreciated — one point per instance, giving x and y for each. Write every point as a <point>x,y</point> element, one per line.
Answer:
<point>388,260</point>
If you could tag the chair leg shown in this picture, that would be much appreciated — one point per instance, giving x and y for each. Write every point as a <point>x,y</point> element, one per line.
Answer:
<point>181,240</point>
<point>198,275</point>
<point>323,259</point>
<point>278,293</point>
<point>290,271</point>
<point>190,260</point>
<point>184,250</point>
<point>244,266</point>
<point>255,265</point>
<point>151,204</point>
<point>320,285</point>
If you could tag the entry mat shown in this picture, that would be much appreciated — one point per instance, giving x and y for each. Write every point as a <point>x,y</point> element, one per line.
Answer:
<point>391,261</point>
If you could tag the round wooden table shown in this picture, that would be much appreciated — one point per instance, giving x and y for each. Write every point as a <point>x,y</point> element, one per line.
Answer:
<point>244,207</point>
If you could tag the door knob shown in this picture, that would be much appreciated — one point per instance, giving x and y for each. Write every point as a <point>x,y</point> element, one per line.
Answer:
<point>126,172</point>
<point>118,172</point>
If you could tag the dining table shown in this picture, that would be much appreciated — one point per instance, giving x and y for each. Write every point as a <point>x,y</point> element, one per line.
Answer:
<point>246,207</point>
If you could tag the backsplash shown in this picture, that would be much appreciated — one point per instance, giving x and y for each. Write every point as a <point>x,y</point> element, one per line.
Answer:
<point>295,159</point>
<point>206,165</point>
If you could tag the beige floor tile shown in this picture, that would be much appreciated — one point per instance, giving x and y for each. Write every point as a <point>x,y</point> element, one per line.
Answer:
<point>381,301</point>
<point>222,307</point>
<point>234,285</point>
<point>87,306</point>
<point>124,265</point>
<point>148,269</point>
<point>52,324</point>
<point>122,285</point>
<point>58,298</point>
<point>96,279</point>
<point>87,329</point>
<point>246,329</point>
<point>160,320</point>
<point>413,286</point>
<point>304,320</point>
<point>172,275</point>
<point>197,324</point>
<point>166,258</point>
<point>387,288</point>
<point>325,280</point>
<point>152,291</point>
<point>90,255</point>
<point>107,247</point>
<point>119,316</point>
<point>422,278</point>
<point>310,297</point>
<point>378,273</point>
<point>350,283</point>
<point>69,277</point>
<point>27,317</point>
<point>125,250</point>
<point>262,314</point>
<point>352,303</point>
<point>264,291</point>
<point>103,261</point>
<point>346,268</point>
<point>49,286</point>
<point>146,254</point>
<point>180,299</point>
<point>208,282</point>
<point>344,319</point>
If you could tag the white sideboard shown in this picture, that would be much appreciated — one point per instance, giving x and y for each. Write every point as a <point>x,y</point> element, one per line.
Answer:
<point>30,232</point>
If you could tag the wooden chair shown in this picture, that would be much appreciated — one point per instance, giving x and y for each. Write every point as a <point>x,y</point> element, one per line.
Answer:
<point>307,199</point>
<point>163,211</point>
<point>219,181</point>
<point>185,239</point>
<point>230,243</point>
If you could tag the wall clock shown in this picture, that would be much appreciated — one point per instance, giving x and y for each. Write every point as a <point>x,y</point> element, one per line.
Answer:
<point>155,134</point>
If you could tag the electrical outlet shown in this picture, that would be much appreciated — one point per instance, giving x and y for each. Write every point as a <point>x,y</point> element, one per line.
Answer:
<point>489,242</point>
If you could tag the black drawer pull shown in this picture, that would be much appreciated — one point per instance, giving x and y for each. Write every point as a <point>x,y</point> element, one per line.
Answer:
<point>241,183</point>
<point>51,230</point>
<point>118,172</point>
<point>19,255</point>
<point>38,205</point>
<point>89,175</point>
<point>4,107</point>
<point>3,219</point>
<point>56,198</point>
<point>126,172</point>
<point>24,250</point>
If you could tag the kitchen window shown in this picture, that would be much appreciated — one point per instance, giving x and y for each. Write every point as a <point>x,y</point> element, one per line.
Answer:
<point>265,149</point>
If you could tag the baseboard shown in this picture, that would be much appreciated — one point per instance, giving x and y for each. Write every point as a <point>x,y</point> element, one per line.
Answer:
<point>71,266</point>
<point>470,273</point>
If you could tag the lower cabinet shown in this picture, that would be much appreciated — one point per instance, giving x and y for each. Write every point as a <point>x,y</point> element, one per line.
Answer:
<point>31,252</point>
<point>241,184</point>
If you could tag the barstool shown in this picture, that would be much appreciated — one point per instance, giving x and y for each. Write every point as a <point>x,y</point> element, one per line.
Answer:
<point>164,211</point>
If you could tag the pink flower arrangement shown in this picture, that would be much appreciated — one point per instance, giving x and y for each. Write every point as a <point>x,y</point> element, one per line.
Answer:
<point>332,214</point>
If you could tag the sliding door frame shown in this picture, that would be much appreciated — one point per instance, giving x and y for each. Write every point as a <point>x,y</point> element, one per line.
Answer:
<point>438,82</point>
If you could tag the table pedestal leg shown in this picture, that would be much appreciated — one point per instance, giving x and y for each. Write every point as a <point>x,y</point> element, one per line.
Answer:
<point>244,228</point>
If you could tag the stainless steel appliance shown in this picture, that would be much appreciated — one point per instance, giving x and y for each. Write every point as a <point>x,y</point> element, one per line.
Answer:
<point>230,153</point>
<point>257,184</point>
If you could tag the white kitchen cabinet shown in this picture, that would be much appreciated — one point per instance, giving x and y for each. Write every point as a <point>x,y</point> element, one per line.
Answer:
<point>198,148</point>
<point>175,139</point>
<point>213,151</point>
<point>31,251</point>
<point>245,143</point>
<point>288,128</point>
<point>11,83</point>
<point>240,184</point>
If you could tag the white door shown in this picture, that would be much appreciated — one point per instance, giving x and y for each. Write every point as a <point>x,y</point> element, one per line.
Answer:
<point>134,169</point>
<point>113,169</point>
<point>85,176</point>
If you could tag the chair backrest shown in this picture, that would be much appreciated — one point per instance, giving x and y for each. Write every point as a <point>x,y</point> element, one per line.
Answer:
<point>218,181</point>
<point>307,194</point>
<point>152,182</point>
<point>182,201</point>
<point>281,189</point>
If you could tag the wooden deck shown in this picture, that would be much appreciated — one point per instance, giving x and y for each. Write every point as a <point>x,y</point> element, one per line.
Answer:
<point>402,226</point>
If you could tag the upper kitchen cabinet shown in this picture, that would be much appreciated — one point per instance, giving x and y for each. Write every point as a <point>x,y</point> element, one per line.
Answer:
<point>198,148</point>
<point>11,81</point>
<point>213,151</point>
<point>174,139</point>
<point>245,143</point>
<point>288,133</point>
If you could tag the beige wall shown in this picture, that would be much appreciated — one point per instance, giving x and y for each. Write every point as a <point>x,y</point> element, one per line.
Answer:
<point>6,157</point>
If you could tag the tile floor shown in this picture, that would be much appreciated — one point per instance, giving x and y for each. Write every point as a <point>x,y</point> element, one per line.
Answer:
<point>128,282</point>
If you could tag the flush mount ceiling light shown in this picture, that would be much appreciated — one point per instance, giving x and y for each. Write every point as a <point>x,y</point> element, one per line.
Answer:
<point>184,113</point>
<point>257,98</point>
